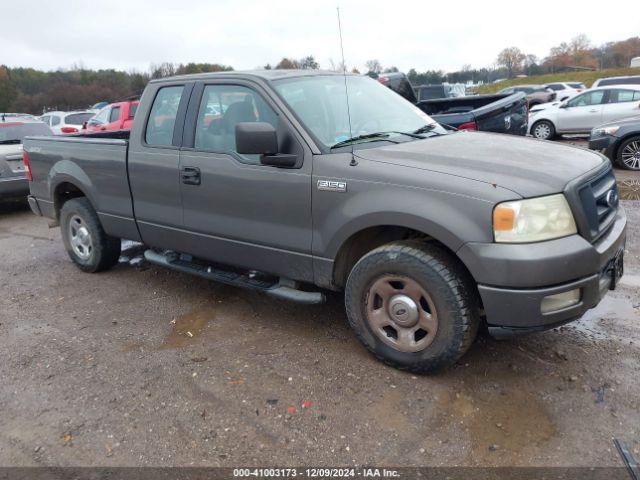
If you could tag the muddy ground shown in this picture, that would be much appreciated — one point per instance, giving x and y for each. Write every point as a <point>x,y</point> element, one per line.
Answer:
<point>146,366</point>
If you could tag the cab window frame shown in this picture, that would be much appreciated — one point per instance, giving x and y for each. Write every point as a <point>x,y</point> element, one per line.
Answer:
<point>178,127</point>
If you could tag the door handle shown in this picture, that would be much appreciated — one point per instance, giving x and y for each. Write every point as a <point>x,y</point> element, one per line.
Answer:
<point>593,111</point>
<point>190,175</point>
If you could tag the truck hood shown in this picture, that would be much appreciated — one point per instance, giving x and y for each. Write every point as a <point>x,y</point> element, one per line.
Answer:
<point>525,166</point>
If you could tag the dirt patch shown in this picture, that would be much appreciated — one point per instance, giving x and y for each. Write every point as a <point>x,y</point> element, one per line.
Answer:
<point>186,328</point>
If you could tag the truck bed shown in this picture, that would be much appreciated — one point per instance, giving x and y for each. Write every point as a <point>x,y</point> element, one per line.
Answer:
<point>493,113</point>
<point>97,163</point>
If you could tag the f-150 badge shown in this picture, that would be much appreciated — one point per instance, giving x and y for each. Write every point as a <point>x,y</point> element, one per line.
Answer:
<point>332,186</point>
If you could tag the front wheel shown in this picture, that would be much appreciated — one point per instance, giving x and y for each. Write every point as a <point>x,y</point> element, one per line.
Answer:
<point>87,244</point>
<point>629,154</point>
<point>412,306</point>
<point>543,130</point>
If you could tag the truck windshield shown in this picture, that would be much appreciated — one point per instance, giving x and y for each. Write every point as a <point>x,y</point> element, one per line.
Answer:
<point>320,103</point>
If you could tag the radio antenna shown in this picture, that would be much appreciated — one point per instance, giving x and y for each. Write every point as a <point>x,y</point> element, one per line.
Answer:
<point>346,89</point>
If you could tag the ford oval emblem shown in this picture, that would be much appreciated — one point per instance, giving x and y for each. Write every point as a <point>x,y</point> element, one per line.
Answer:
<point>612,198</point>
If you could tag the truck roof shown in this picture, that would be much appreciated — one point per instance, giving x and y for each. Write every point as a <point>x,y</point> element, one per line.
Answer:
<point>261,74</point>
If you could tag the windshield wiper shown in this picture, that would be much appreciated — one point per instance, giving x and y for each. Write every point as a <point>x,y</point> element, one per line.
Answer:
<point>426,128</point>
<point>10,142</point>
<point>368,136</point>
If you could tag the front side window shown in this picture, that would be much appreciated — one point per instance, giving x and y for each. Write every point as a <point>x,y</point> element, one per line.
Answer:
<point>55,120</point>
<point>114,115</point>
<point>162,118</point>
<point>556,87</point>
<point>224,106</point>
<point>590,98</point>
<point>321,104</point>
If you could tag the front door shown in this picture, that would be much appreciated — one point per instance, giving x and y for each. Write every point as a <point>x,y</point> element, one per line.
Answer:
<point>236,210</point>
<point>581,113</point>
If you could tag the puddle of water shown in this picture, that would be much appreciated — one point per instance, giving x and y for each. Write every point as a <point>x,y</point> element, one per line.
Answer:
<point>187,328</point>
<point>610,307</point>
<point>629,189</point>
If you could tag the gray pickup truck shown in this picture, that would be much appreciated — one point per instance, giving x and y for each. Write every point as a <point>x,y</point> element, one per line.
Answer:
<point>289,183</point>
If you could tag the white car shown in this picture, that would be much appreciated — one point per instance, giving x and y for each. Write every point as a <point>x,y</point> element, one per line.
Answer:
<point>565,90</point>
<point>584,111</point>
<point>66,122</point>
<point>609,81</point>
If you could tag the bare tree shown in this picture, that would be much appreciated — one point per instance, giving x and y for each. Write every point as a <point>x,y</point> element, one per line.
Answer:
<point>511,58</point>
<point>374,66</point>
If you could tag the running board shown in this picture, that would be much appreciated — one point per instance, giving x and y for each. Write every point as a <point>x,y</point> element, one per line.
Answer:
<point>283,288</point>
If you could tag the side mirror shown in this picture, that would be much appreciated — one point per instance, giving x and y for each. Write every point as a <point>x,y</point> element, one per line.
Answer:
<point>260,138</point>
<point>256,138</point>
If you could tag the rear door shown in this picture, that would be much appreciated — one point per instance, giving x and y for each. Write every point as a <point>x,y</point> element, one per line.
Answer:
<point>621,103</point>
<point>582,113</point>
<point>154,157</point>
<point>236,210</point>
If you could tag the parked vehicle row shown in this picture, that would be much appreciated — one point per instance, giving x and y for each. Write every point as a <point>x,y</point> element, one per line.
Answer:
<point>115,116</point>
<point>620,141</point>
<point>585,111</point>
<point>501,113</point>
<point>13,177</point>
<point>67,122</point>
<point>293,189</point>
<point>535,94</point>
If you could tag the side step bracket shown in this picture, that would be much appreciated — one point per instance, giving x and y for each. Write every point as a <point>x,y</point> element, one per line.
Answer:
<point>280,288</point>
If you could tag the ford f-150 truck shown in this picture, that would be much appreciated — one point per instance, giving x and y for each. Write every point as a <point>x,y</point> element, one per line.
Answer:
<point>305,181</point>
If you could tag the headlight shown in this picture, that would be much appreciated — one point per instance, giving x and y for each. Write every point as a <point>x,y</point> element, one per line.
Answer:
<point>598,132</point>
<point>533,220</point>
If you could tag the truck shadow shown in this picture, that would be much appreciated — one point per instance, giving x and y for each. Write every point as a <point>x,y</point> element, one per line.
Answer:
<point>13,205</point>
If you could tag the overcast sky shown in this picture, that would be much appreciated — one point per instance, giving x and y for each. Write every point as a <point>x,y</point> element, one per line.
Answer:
<point>246,34</point>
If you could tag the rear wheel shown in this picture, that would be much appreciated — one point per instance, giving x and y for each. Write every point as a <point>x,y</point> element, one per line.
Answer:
<point>629,154</point>
<point>412,306</point>
<point>87,244</point>
<point>543,130</point>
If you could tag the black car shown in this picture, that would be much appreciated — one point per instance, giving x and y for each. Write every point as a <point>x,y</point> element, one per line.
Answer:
<point>620,141</point>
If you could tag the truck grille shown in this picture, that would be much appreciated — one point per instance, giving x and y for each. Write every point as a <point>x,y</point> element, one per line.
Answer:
<point>599,200</point>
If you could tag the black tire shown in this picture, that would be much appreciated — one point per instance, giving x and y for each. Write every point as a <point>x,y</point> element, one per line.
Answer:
<point>103,251</point>
<point>451,291</point>
<point>543,126</point>
<point>629,146</point>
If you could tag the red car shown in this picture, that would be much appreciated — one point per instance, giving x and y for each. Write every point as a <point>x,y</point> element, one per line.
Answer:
<point>115,116</point>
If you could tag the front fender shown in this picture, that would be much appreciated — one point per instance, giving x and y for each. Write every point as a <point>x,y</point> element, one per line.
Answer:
<point>452,219</point>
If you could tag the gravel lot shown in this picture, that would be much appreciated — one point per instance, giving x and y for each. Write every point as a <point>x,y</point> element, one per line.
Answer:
<point>146,366</point>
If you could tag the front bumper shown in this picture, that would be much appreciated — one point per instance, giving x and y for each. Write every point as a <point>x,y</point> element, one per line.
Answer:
<point>513,279</point>
<point>14,187</point>
<point>604,144</point>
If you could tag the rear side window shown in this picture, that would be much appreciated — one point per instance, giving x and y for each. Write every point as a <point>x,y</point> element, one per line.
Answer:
<point>576,85</point>
<point>114,115</point>
<point>621,96</point>
<point>77,118</point>
<point>555,86</point>
<point>162,118</point>
<point>132,110</point>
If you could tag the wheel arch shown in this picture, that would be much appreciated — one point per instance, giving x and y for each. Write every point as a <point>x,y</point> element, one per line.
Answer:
<point>621,140</point>
<point>368,238</point>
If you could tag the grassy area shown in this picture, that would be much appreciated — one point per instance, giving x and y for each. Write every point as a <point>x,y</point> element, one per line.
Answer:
<point>586,77</point>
